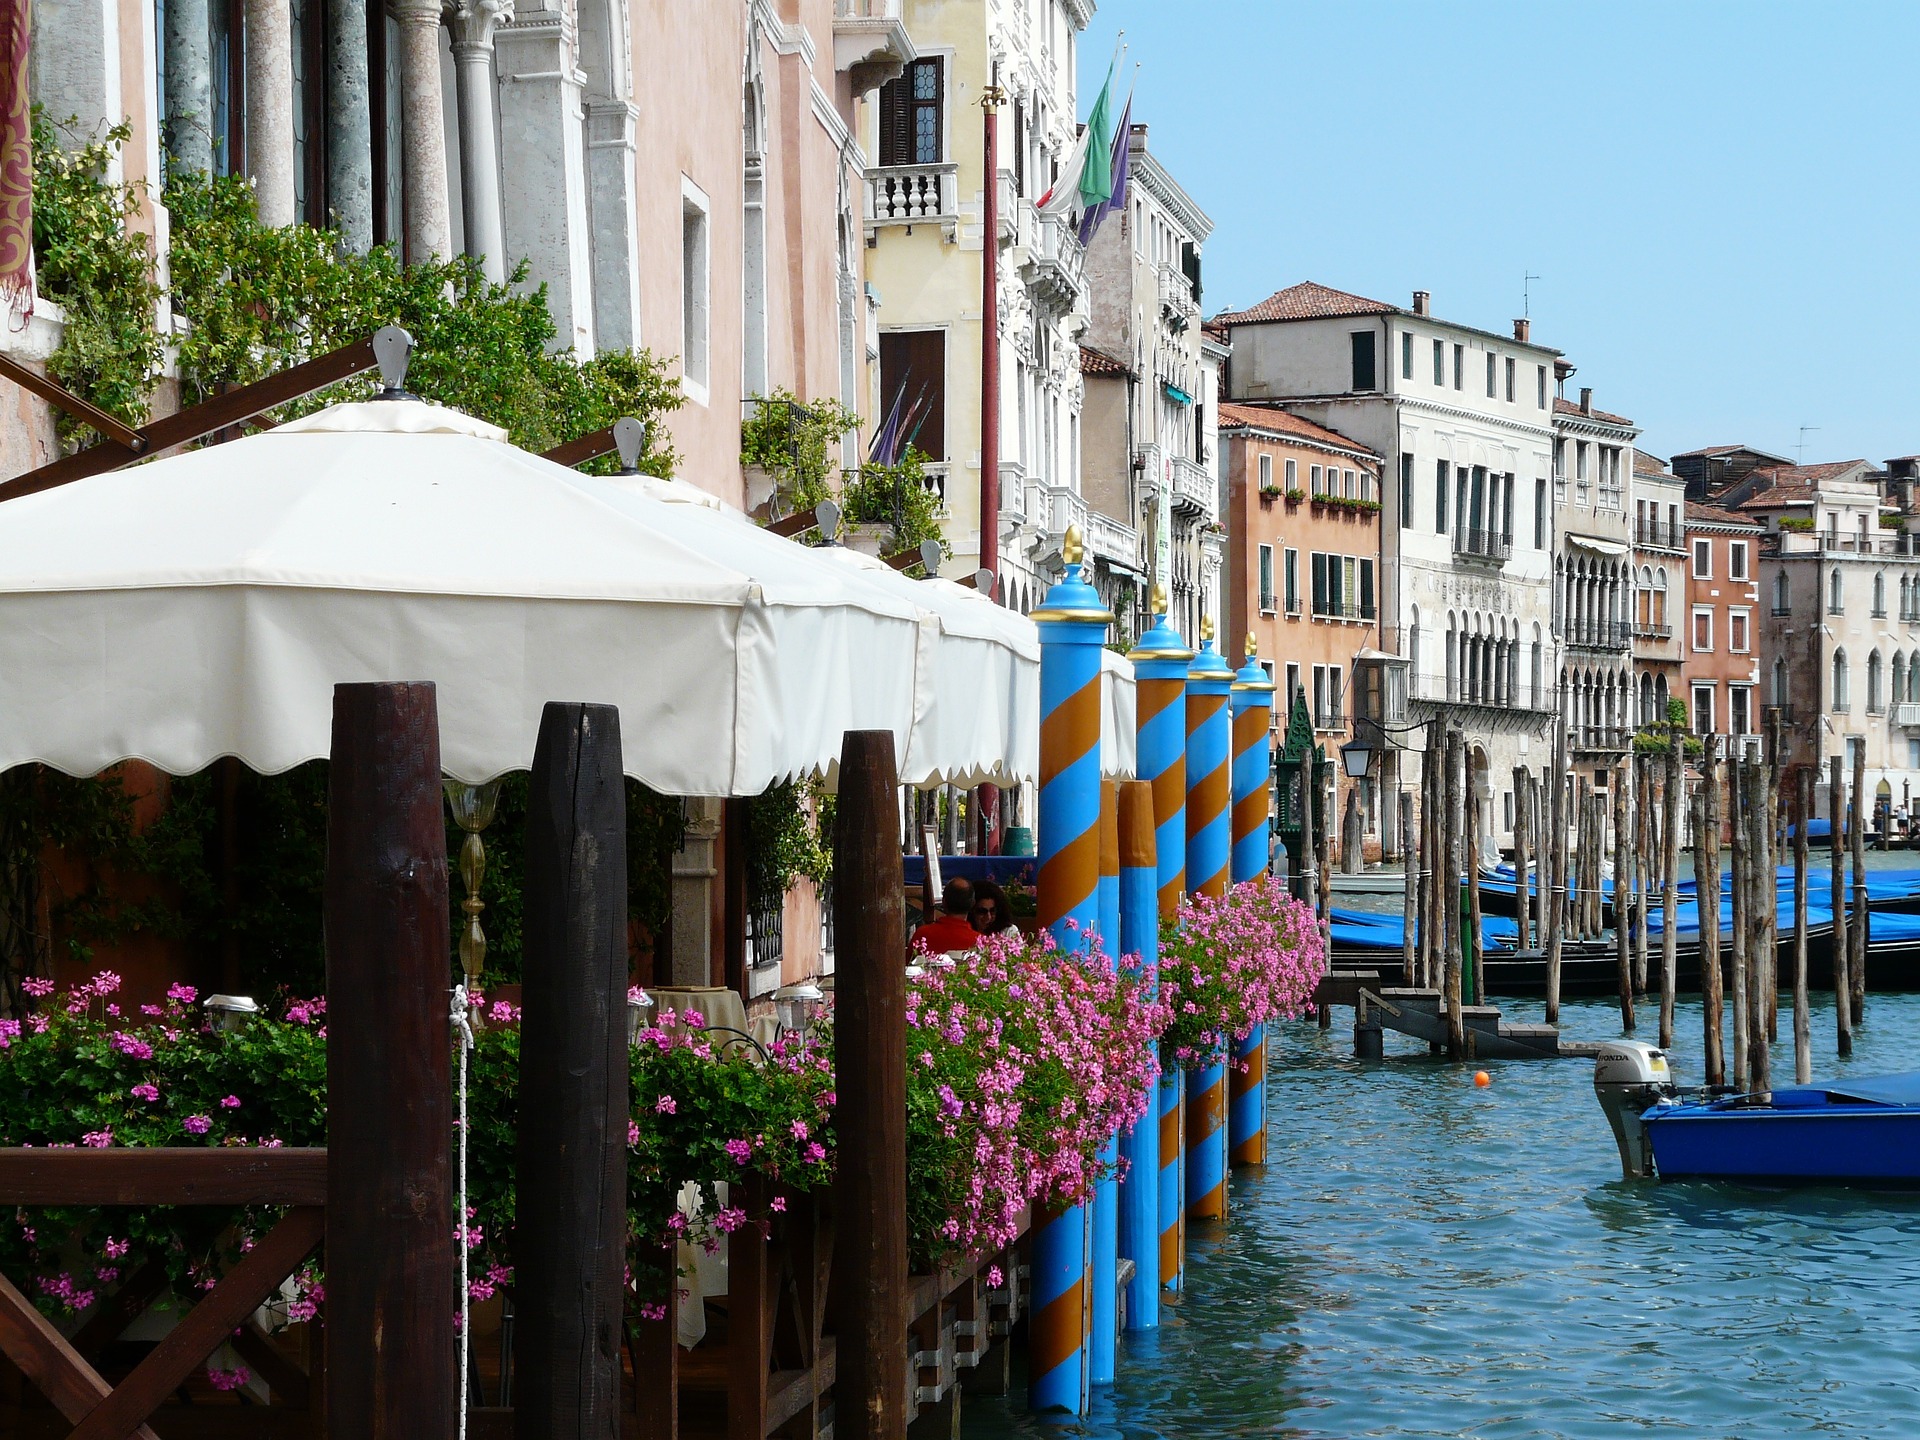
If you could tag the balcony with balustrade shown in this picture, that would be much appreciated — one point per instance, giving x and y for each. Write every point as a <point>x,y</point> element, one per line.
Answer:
<point>909,195</point>
<point>1193,491</point>
<point>1612,635</point>
<point>1179,306</point>
<point>870,42</point>
<point>1053,266</point>
<point>1659,535</point>
<point>1906,714</point>
<point>1491,547</point>
<point>1112,540</point>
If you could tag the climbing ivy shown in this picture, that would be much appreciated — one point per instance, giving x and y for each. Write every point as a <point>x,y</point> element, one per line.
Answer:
<point>789,837</point>
<point>898,497</point>
<point>796,444</point>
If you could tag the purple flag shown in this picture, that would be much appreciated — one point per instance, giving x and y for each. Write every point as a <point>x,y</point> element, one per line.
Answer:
<point>1122,171</point>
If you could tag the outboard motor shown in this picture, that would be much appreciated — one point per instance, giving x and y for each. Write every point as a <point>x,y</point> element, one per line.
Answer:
<point>1629,1078</point>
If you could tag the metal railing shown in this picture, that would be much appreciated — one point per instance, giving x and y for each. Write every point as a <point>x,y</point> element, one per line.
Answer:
<point>766,931</point>
<point>1334,607</point>
<point>1438,689</point>
<point>1599,737</point>
<point>1328,717</point>
<point>1906,712</point>
<point>1472,543</point>
<point>1648,630</point>
<point>1659,535</point>
<point>1598,635</point>
<point>1268,602</point>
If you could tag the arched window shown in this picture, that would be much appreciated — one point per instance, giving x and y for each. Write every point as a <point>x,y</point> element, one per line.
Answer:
<point>1876,691</point>
<point>1842,696</point>
<point>1537,678</point>
<point>1899,691</point>
<point>1780,687</point>
<point>1837,593</point>
<point>1660,596</point>
<point>1782,594</point>
<point>1880,594</point>
<point>1413,646</point>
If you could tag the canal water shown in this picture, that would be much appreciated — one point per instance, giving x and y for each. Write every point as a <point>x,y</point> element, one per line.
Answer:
<point>1421,1257</point>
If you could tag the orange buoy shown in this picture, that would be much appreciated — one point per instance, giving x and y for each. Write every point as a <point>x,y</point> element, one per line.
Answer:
<point>1482,1079</point>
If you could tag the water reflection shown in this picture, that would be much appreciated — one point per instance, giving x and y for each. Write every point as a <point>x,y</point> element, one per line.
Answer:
<point>1422,1258</point>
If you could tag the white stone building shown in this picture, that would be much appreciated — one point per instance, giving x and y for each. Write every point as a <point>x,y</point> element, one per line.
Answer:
<point>925,218</point>
<point>1149,463</point>
<point>1463,418</point>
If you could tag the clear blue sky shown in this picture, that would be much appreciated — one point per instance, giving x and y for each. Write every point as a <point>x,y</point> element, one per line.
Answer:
<point>1720,200</point>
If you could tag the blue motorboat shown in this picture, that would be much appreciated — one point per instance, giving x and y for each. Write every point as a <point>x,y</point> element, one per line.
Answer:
<point>1862,1132</point>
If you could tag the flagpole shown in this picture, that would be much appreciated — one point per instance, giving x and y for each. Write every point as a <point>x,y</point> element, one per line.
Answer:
<point>990,103</point>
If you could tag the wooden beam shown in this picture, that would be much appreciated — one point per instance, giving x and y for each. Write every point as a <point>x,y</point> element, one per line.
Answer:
<point>198,421</point>
<point>391,1280</point>
<point>106,1322</point>
<point>85,411</point>
<point>571,1211</point>
<point>56,1369</point>
<point>203,1329</point>
<point>787,526</point>
<point>578,452</point>
<point>177,1176</point>
<point>870,1198</point>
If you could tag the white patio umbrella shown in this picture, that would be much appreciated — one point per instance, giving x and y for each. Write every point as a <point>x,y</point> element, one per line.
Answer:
<point>205,605</point>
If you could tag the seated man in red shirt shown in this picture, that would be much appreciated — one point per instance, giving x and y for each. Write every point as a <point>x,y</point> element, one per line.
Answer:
<point>950,930</point>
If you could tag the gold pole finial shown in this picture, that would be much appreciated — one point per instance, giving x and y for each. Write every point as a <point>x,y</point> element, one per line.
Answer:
<point>1253,647</point>
<point>1157,601</point>
<point>1072,551</point>
<point>1206,628</point>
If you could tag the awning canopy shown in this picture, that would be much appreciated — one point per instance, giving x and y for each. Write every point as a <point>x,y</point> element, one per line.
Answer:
<point>1597,545</point>
<point>205,605</point>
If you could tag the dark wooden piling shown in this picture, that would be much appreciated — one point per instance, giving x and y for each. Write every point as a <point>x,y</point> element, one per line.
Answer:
<point>1770,833</point>
<point>391,1275</point>
<point>1862,920</point>
<point>1622,941</point>
<point>1669,884</point>
<point>1759,1062</point>
<point>1556,846</point>
<point>1542,857</point>
<point>1410,861</point>
<point>1455,790</point>
<point>1706,874</point>
<point>570,1163</point>
<point>870,1027</point>
<point>1475,943</point>
<point>1802,1020</point>
<point>1434,772</point>
<point>1842,949</point>
<point>1745,979</point>
<point>1522,889</point>
<point>1643,853</point>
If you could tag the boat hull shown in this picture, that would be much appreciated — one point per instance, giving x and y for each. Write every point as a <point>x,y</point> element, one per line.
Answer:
<point>1869,1145</point>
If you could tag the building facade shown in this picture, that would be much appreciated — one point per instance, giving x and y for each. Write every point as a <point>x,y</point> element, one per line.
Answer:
<point>1462,420</point>
<point>1303,579</point>
<point>1723,625</point>
<point>1659,560</point>
<point>1593,577</point>
<point>924,220</point>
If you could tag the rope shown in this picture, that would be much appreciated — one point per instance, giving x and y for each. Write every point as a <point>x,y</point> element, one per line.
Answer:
<point>463,1029</point>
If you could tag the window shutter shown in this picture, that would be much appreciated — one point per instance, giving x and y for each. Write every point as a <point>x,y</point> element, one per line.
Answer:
<point>1366,589</point>
<point>896,122</point>
<point>1319,583</point>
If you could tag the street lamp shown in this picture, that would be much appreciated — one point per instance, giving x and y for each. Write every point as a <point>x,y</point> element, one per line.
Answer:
<point>1356,757</point>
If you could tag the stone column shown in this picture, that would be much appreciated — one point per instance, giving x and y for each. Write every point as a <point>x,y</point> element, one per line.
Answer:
<point>349,124</point>
<point>472,23</point>
<point>269,78</point>
<point>545,204</point>
<point>429,227</point>
<point>188,103</point>
<point>616,223</point>
<point>693,877</point>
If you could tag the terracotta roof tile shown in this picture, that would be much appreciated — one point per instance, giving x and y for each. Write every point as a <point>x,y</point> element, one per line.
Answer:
<point>1285,422</point>
<point>1804,475</point>
<point>1651,465</point>
<point>1098,362</point>
<point>1305,301</point>
<point>1698,514</point>
<point>1567,407</point>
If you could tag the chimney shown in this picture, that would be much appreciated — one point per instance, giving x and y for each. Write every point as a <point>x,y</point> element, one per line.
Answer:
<point>1586,399</point>
<point>1421,302</point>
<point>1523,331</point>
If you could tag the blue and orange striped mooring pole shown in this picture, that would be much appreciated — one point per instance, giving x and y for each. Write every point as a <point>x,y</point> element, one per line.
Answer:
<point>1073,627</point>
<point>1160,699</point>
<point>1106,1198</point>
<point>1140,936</point>
<point>1209,739</point>
<point>1252,704</point>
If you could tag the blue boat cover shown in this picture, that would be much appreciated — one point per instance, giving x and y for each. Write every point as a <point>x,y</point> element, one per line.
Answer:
<point>1878,1089</point>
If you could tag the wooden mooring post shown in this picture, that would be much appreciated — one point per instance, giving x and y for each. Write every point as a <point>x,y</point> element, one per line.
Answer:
<point>1753,823</point>
<point>870,1027</point>
<point>1742,969</point>
<point>1842,952</point>
<point>1644,830</point>
<point>1669,884</point>
<point>1802,1021</point>
<point>1411,860</point>
<point>1706,873</point>
<point>571,1160</point>
<point>1622,899</point>
<point>1862,919</point>
<point>1455,956</point>
<point>1475,942</point>
<point>1554,851</point>
<point>391,1276</point>
<point>1522,889</point>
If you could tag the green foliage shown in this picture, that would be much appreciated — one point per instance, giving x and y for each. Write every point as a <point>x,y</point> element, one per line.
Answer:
<point>898,497</point>
<point>98,270</point>
<point>1796,524</point>
<point>789,836</point>
<point>1657,738</point>
<point>796,444</point>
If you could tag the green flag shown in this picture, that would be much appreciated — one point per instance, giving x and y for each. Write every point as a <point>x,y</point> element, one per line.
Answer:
<point>1096,168</point>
